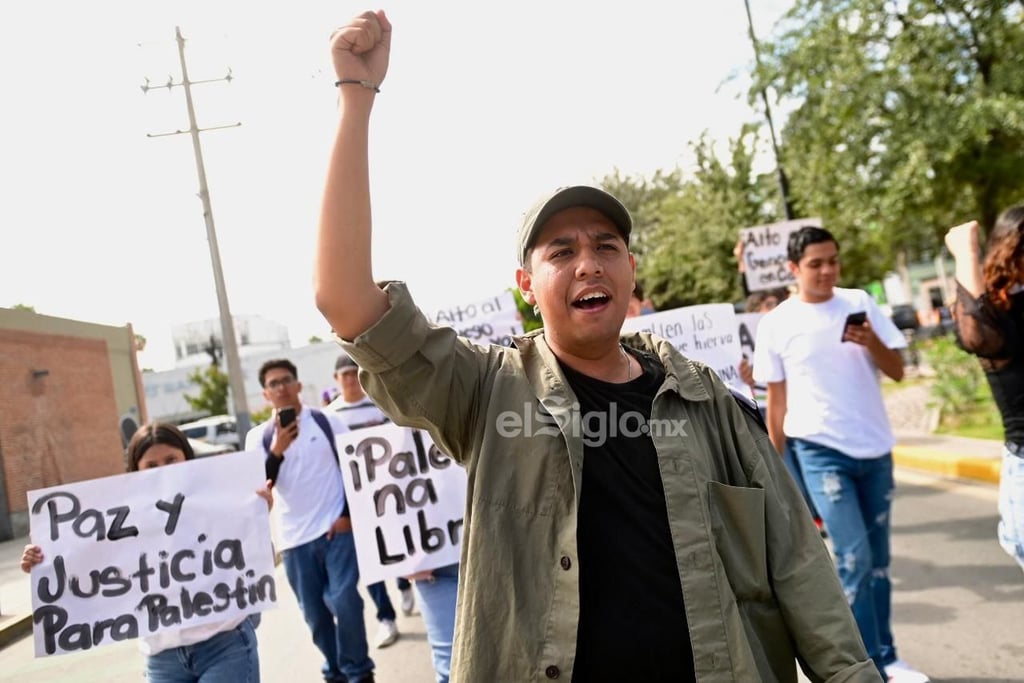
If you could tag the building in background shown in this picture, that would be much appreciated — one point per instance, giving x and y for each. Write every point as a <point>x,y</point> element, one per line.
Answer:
<point>165,391</point>
<point>70,389</point>
<point>194,341</point>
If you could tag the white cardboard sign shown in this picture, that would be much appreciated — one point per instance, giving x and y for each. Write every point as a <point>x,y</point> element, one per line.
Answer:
<point>162,549</point>
<point>765,253</point>
<point>407,500</point>
<point>707,333</point>
<point>491,321</point>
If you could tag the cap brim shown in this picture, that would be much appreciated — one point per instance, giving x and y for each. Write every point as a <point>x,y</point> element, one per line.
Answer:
<point>566,198</point>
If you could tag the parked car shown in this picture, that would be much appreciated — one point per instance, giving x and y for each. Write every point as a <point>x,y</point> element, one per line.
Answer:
<point>218,430</point>
<point>203,449</point>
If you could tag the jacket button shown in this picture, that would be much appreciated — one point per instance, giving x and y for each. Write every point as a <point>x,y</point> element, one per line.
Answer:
<point>565,562</point>
<point>552,672</point>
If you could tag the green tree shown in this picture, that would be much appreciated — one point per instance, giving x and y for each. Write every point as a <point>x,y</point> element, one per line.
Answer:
<point>685,229</point>
<point>213,390</point>
<point>23,307</point>
<point>909,117</point>
<point>260,416</point>
<point>531,320</point>
<point>315,339</point>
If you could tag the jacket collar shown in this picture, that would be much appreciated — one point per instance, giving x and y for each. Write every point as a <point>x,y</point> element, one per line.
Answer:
<point>549,382</point>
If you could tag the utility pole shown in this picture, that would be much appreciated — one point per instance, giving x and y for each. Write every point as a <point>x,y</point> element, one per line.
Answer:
<point>783,181</point>
<point>227,325</point>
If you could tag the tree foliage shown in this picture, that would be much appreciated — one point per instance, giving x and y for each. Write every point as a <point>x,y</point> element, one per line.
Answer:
<point>685,228</point>
<point>909,117</point>
<point>213,390</point>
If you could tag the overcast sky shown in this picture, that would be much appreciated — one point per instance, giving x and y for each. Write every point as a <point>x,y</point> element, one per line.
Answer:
<point>485,107</point>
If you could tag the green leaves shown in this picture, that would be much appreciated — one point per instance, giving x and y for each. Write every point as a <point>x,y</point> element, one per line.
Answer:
<point>908,115</point>
<point>213,390</point>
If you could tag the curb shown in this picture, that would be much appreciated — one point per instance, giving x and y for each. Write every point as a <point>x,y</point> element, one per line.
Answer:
<point>946,464</point>
<point>15,630</point>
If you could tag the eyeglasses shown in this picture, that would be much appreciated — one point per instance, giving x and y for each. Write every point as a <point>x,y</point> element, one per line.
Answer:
<point>282,383</point>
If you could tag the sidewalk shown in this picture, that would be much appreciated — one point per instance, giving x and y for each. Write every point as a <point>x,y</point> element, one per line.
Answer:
<point>947,456</point>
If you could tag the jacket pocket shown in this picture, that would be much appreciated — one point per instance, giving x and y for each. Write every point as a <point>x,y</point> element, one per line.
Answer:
<point>737,523</point>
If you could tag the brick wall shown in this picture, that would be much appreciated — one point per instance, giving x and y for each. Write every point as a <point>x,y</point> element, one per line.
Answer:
<point>59,427</point>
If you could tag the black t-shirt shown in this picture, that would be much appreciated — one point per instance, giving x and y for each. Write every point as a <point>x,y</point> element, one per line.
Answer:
<point>632,621</point>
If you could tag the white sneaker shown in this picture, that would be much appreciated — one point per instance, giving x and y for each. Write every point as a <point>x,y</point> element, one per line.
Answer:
<point>408,601</point>
<point>901,672</point>
<point>387,633</point>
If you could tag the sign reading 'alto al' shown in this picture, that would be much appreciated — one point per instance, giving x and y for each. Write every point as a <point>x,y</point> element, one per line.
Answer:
<point>765,254</point>
<point>134,554</point>
<point>407,500</point>
<point>490,321</point>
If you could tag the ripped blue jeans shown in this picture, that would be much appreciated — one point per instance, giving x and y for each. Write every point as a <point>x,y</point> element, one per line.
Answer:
<point>854,498</point>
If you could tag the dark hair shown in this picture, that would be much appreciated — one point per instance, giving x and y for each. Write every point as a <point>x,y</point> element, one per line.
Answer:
<point>800,239</point>
<point>1004,260</point>
<point>638,291</point>
<point>151,434</point>
<point>277,364</point>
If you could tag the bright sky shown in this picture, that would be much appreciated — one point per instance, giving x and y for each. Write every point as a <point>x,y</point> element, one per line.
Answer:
<point>485,107</point>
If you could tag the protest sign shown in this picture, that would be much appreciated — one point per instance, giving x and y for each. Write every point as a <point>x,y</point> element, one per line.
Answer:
<point>765,253</point>
<point>707,333</point>
<point>491,321</point>
<point>407,501</point>
<point>165,548</point>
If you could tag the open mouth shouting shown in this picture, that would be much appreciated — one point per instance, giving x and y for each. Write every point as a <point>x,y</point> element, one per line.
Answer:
<point>592,300</point>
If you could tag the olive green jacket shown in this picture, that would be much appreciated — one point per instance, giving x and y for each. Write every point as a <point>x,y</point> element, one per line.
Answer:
<point>759,587</point>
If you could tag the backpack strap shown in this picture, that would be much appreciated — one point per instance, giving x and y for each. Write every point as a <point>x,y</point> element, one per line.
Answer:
<point>749,406</point>
<point>325,425</point>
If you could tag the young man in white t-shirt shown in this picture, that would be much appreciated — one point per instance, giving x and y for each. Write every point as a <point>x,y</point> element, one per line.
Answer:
<point>314,526</point>
<point>824,395</point>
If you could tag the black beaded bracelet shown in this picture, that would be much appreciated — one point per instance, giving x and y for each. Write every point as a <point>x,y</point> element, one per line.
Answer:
<point>355,81</point>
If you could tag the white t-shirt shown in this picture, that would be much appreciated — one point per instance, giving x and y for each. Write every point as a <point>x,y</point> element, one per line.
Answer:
<point>309,493</point>
<point>833,395</point>
<point>165,640</point>
<point>358,414</point>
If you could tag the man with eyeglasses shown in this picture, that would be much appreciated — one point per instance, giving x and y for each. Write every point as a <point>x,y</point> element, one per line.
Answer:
<point>314,528</point>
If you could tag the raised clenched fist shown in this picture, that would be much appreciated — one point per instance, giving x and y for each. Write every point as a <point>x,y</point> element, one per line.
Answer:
<point>361,49</point>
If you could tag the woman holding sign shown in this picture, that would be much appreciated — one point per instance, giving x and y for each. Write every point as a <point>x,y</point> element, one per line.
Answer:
<point>218,652</point>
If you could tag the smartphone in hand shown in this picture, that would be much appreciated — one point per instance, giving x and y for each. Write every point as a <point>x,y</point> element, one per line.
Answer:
<point>285,416</point>
<point>856,319</point>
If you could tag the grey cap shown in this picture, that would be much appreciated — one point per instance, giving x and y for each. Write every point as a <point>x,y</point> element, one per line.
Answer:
<point>344,361</point>
<point>565,198</point>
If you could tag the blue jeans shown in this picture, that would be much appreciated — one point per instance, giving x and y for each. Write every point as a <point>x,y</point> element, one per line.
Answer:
<point>227,657</point>
<point>323,574</point>
<point>437,604</point>
<point>854,498</point>
<point>379,594</point>
<point>1011,506</point>
<point>793,465</point>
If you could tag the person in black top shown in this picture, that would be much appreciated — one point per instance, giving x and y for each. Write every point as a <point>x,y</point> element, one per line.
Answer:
<point>989,314</point>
